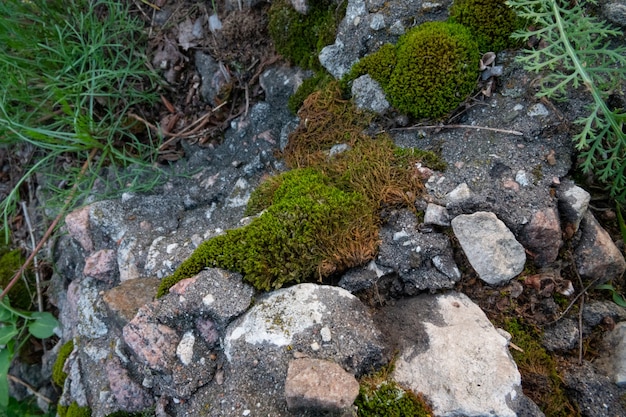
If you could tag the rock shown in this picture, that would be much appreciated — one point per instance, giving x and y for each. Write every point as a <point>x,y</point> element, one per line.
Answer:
<point>595,312</point>
<point>84,315</point>
<point>216,293</point>
<point>450,353</point>
<point>295,316</point>
<point>422,260</point>
<point>77,223</point>
<point>490,247</point>
<point>437,215</point>
<point>594,394</point>
<point>459,195</point>
<point>615,12</point>
<point>130,396</point>
<point>281,82</point>
<point>125,300</point>
<point>561,336</point>
<point>101,265</point>
<point>153,343</point>
<point>319,385</point>
<point>615,341</point>
<point>543,237</point>
<point>573,203</point>
<point>596,255</point>
<point>368,95</point>
<point>214,79</point>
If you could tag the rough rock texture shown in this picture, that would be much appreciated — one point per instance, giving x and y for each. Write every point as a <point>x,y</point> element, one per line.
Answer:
<point>450,352</point>
<point>596,255</point>
<point>319,384</point>
<point>542,236</point>
<point>593,392</point>
<point>490,247</point>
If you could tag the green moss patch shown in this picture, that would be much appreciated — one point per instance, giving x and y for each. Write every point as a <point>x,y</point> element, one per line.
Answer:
<point>300,38</point>
<point>379,396</point>
<point>540,379</point>
<point>430,71</point>
<point>492,21</point>
<point>58,375</point>
<point>311,230</point>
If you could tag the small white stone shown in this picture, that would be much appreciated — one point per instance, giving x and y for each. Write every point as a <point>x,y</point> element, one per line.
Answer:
<point>315,346</point>
<point>325,333</point>
<point>208,299</point>
<point>401,234</point>
<point>538,109</point>
<point>184,350</point>
<point>521,177</point>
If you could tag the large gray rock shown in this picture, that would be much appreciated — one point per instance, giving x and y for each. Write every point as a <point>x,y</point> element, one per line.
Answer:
<point>594,393</point>
<point>489,246</point>
<point>452,354</point>
<point>306,320</point>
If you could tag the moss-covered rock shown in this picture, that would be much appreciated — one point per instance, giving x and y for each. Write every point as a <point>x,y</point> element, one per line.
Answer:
<point>58,375</point>
<point>311,230</point>
<point>436,69</point>
<point>73,410</point>
<point>430,71</point>
<point>492,21</point>
<point>299,37</point>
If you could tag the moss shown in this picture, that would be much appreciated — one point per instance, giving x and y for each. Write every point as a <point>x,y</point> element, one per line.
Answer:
<point>300,38</point>
<point>492,21</point>
<point>428,73</point>
<point>146,413</point>
<point>308,86</point>
<point>58,375</point>
<point>379,65</point>
<point>311,230</point>
<point>436,69</point>
<point>74,410</point>
<point>540,379</point>
<point>10,263</point>
<point>379,396</point>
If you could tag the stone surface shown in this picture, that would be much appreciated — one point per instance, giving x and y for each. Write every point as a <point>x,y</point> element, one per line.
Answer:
<point>450,353</point>
<point>125,300</point>
<point>490,247</point>
<point>437,215</point>
<point>561,336</point>
<point>319,385</point>
<point>593,393</point>
<point>153,343</point>
<point>368,95</point>
<point>101,265</point>
<point>615,363</point>
<point>596,312</point>
<point>615,12</point>
<point>573,203</point>
<point>543,237</point>
<point>422,260</point>
<point>129,395</point>
<point>77,223</point>
<point>596,255</point>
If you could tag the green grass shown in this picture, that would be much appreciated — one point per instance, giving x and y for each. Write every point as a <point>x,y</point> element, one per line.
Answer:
<point>72,72</point>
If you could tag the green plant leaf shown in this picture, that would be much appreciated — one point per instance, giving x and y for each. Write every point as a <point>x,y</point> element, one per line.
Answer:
<point>618,299</point>
<point>43,325</point>
<point>7,333</point>
<point>620,222</point>
<point>6,356</point>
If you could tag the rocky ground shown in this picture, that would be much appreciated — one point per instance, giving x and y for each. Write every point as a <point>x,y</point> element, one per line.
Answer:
<point>507,241</point>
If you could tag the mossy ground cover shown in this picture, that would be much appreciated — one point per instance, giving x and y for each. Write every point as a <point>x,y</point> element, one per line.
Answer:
<point>430,71</point>
<point>322,217</point>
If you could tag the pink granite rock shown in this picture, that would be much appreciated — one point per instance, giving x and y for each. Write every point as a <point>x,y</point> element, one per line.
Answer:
<point>320,385</point>
<point>153,343</point>
<point>77,223</point>
<point>130,396</point>
<point>101,265</point>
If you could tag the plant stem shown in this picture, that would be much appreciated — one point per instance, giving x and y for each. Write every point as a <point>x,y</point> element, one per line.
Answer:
<point>52,227</point>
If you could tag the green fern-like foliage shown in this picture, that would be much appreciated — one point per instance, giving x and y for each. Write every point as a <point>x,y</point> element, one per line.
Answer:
<point>493,22</point>
<point>578,53</point>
